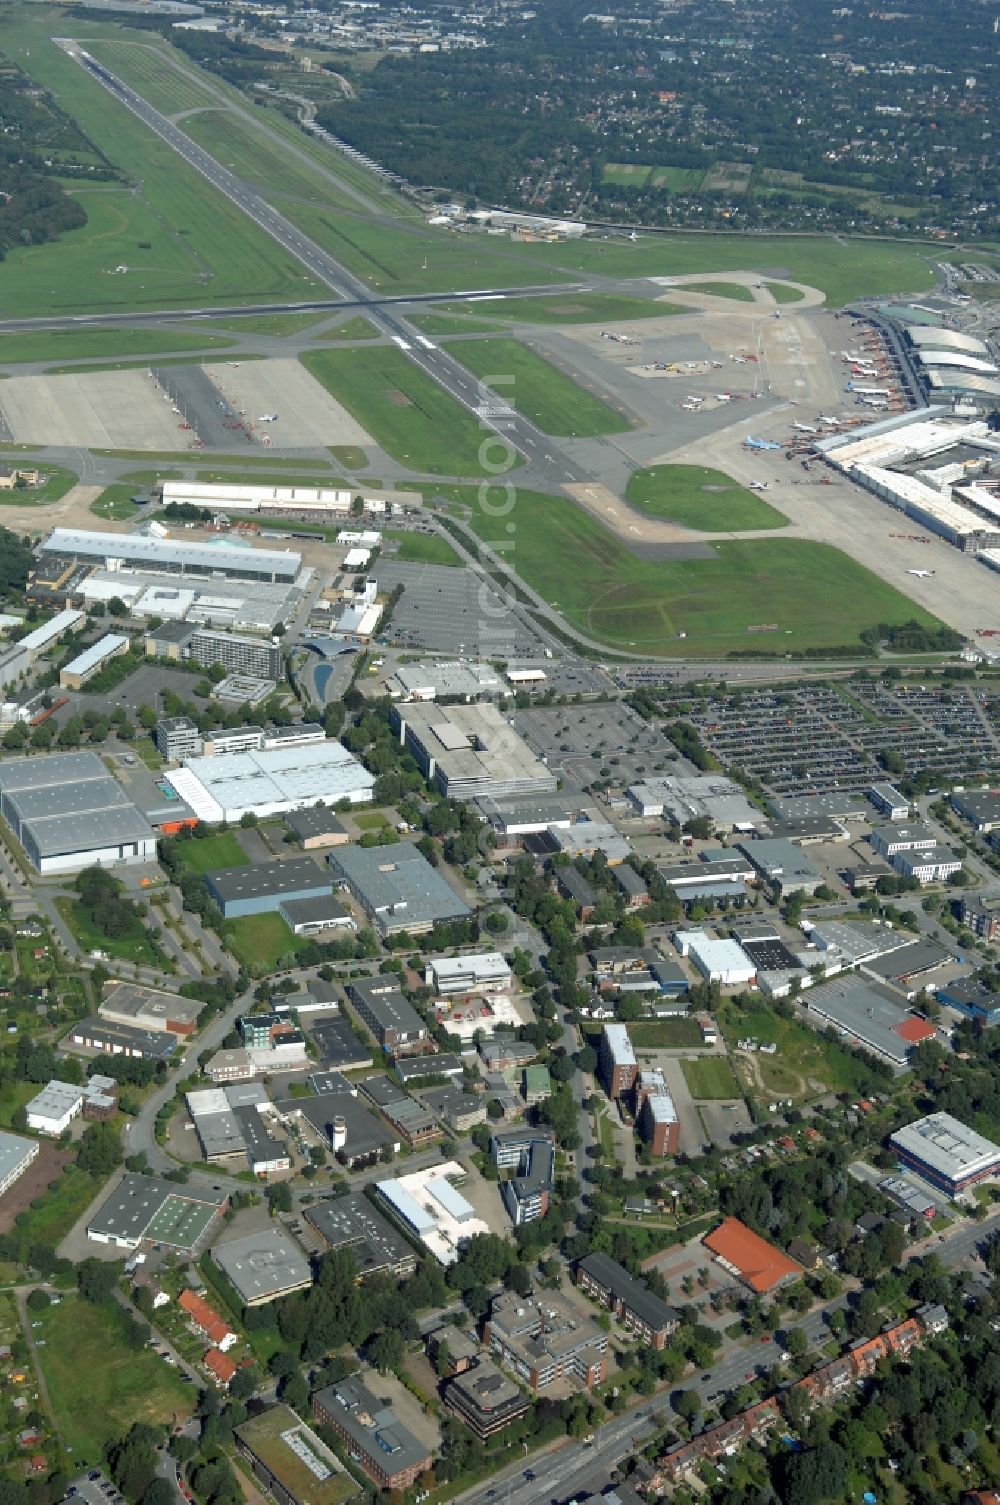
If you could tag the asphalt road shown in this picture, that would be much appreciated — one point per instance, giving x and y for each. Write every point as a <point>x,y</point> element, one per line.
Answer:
<point>510,428</point>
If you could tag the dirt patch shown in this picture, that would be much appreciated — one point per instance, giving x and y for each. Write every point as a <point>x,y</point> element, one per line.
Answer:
<point>398,399</point>
<point>44,1169</point>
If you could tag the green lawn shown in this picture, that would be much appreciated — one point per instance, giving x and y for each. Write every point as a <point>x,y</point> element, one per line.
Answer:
<point>92,344</point>
<point>357,328</point>
<point>181,241</point>
<point>539,390</point>
<point>782,293</point>
<point>55,486</point>
<point>370,820</point>
<point>454,324</point>
<point>805,1065</point>
<point>664,1034</point>
<point>350,456</point>
<point>13,1095</point>
<point>260,941</point>
<point>819,598</point>
<point>407,413</point>
<point>98,1385</point>
<point>738,291</point>
<point>710,1077</point>
<point>423,548</point>
<point>205,854</point>
<point>570,308</point>
<point>61,1206</point>
<point>133,947</point>
<point>276,324</point>
<point>698,497</point>
<point>115,502</point>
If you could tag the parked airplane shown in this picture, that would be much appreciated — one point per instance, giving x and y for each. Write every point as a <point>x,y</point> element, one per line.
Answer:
<point>921,574</point>
<point>751,443</point>
<point>758,485</point>
<point>804,428</point>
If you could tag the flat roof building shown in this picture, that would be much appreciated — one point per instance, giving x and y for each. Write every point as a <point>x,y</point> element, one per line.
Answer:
<point>471,751</point>
<point>261,887</point>
<point>16,1154</point>
<point>75,674</point>
<point>311,916</point>
<point>391,1456</point>
<point>147,1209</point>
<point>889,802</point>
<point>339,1047</point>
<point>150,1008</point>
<point>114,1039</point>
<point>263,1266</point>
<point>871,1017</point>
<point>617,1065</point>
<point>68,813</point>
<point>709,796</point>
<point>782,865</point>
<point>485,1399</point>
<point>384,1010</point>
<point>177,737</point>
<point>397,887</point>
<point>452,677</point>
<point>543,1338</point>
<point>981,807</point>
<point>722,961</point>
<point>289,1461</point>
<point>513,817</point>
<point>316,827</point>
<point>428,1206</point>
<point>479,972</point>
<point>946,1153</point>
<point>145,553</point>
<point>351,1222</point>
<point>271,781</point>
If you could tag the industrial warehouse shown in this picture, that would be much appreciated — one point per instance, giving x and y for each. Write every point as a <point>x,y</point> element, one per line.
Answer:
<point>68,813</point>
<point>271,782</point>
<point>148,552</point>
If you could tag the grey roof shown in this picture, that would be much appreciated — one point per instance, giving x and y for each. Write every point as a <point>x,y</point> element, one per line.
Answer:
<point>398,885</point>
<point>577,888</point>
<point>260,1142</point>
<point>263,1265</point>
<point>338,1045</point>
<point>319,909</point>
<point>778,858</point>
<point>865,1010</point>
<point>845,804</point>
<point>629,881</point>
<point>635,1294</point>
<point>262,880</point>
<point>909,961</point>
<point>142,550</point>
<point>131,1207</point>
<point>68,802</point>
<point>454,1104</point>
<point>317,821</point>
<point>382,997</point>
<point>49,771</point>
<point>441,1063</point>
<point>15,1152</point>
<point>947,1146</point>
<point>371,1424</point>
<point>173,632</point>
<point>134,999</point>
<point>366,1134</point>
<point>156,1045</point>
<point>351,1222</point>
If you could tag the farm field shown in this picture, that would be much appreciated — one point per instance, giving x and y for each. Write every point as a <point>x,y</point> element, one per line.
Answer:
<point>550,399</point>
<point>572,308</point>
<point>605,591</point>
<point>205,854</point>
<point>710,1078</point>
<point>407,413</point>
<point>180,240</point>
<point>423,548</point>
<point>643,175</point>
<point>100,1399</point>
<point>698,497</point>
<point>92,344</point>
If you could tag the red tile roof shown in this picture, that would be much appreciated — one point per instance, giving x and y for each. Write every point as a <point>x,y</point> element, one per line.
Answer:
<point>220,1365</point>
<point>757,1262</point>
<point>209,1321</point>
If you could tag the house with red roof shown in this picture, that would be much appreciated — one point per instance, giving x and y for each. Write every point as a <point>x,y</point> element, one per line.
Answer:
<point>218,1332</point>
<point>220,1366</point>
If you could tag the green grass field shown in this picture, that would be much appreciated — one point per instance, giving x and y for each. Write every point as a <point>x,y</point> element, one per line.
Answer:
<point>115,503</point>
<point>805,1066</point>
<point>664,1034</point>
<point>819,598</point>
<point>276,324</point>
<point>61,1205</point>
<point>92,344</point>
<point>454,324</point>
<point>710,1078</point>
<point>782,293</point>
<point>180,240</point>
<point>133,946</point>
<point>55,486</point>
<point>570,308</point>
<point>260,941</point>
<point>539,390</point>
<point>350,456</point>
<point>423,548</point>
<point>699,498</point>
<point>99,1399</point>
<point>357,328</point>
<point>642,175</point>
<point>407,413</point>
<point>738,291</point>
<point>205,854</point>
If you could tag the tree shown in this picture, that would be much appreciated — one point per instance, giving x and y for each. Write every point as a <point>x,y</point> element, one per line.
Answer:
<point>160,1492</point>
<point>688,1404</point>
<point>295,1393</point>
<point>279,1197</point>
<point>96,1282</point>
<point>100,1149</point>
<point>38,1300</point>
<point>386,1350</point>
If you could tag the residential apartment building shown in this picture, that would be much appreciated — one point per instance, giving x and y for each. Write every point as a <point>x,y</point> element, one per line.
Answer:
<point>377,1440</point>
<point>617,1066</point>
<point>542,1338</point>
<point>631,1300</point>
<point>177,737</point>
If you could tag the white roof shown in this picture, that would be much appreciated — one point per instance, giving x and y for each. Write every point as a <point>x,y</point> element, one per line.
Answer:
<point>274,779</point>
<point>91,657</point>
<point>947,1146</point>
<point>721,956</point>
<point>141,550</point>
<point>957,358</point>
<point>933,503</point>
<point>944,339</point>
<point>42,636</point>
<point>620,1044</point>
<point>483,965</point>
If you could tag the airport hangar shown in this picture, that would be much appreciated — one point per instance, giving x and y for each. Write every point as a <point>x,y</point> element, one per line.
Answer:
<point>147,553</point>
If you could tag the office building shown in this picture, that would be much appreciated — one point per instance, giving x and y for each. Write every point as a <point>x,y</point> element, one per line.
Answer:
<point>980,807</point>
<point>92,660</point>
<point>889,802</point>
<point>397,888</point>
<point>68,813</point>
<point>290,1463</point>
<point>616,1063</point>
<point>888,840</point>
<point>16,1154</point>
<point>482,972</point>
<point>484,1399</point>
<point>946,1153</point>
<point>150,1008</point>
<point>529,1154</point>
<point>189,642</point>
<point>383,1009</point>
<point>543,1338</point>
<point>471,751</point>
<point>932,864</point>
<point>53,1109</point>
<point>270,781</point>
<point>260,888</point>
<point>629,1299</point>
<point>263,1266</point>
<point>366,1422</point>
<point>429,1207</point>
<point>177,738</point>
<point>143,553</point>
<point>351,1222</point>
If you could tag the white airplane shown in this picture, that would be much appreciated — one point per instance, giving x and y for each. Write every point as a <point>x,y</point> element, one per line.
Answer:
<point>633,236</point>
<point>267,418</point>
<point>758,485</point>
<point>921,574</point>
<point>833,422</point>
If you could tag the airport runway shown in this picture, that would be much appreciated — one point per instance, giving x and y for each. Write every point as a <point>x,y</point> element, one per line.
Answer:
<point>509,427</point>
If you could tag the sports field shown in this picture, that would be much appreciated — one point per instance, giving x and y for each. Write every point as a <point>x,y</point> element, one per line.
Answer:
<point>710,1078</point>
<point>817,596</point>
<point>698,497</point>
<point>409,415</point>
<point>536,388</point>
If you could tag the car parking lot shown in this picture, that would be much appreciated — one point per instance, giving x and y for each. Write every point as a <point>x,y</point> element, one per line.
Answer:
<point>454,612</point>
<point>579,741</point>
